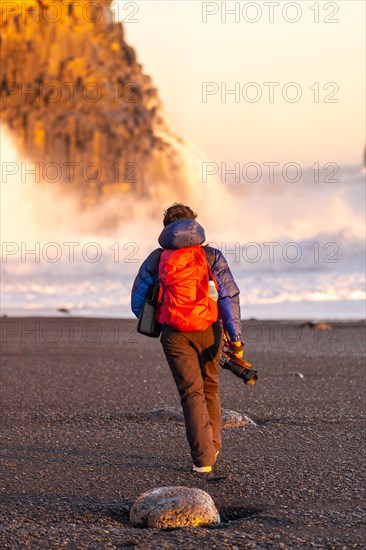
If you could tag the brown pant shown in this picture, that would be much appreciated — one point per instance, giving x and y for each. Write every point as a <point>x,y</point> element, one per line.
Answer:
<point>193,359</point>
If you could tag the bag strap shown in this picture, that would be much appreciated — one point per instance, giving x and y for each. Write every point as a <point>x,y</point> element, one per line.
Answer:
<point>156,260</point>
<point>210,257</point>
<point>156,285</point>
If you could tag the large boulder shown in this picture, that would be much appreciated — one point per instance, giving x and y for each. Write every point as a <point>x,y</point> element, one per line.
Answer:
<point>171,507</point>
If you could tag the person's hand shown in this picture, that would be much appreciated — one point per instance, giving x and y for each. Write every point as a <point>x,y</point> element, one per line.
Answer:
<point>237,348</point>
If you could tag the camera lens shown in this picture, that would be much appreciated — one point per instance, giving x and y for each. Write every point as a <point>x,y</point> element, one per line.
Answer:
<point>250,377</point>
<point>239,369</point>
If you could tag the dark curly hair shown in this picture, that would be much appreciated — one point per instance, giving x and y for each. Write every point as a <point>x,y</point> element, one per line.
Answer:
<point>178,212</point>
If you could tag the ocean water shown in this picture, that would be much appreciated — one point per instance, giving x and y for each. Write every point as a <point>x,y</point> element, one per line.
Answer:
<point>296,249</point>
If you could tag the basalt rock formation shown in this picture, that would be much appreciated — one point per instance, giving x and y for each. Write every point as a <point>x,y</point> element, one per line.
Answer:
<point>78,103</point>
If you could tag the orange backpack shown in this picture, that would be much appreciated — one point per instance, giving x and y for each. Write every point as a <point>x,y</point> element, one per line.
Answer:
<point>184,302</point>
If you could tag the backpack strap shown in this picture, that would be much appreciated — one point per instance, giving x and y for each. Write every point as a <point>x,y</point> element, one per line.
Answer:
<point>156,289</point>
<point>210,257</point>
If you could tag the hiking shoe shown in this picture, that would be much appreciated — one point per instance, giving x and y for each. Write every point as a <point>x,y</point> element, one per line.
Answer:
<point>202,469</point>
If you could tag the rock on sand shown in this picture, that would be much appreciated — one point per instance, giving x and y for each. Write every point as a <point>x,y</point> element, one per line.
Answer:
<point>230,419</point>
<point>169,507</point>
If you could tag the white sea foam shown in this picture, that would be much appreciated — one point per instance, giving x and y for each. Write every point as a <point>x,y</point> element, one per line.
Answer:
<point>261,228</point>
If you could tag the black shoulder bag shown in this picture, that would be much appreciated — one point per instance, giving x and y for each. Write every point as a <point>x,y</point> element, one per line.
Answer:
<point>147,323</point>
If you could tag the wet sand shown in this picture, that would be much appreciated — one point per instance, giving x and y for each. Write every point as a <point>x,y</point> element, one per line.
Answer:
<point>78,447</point>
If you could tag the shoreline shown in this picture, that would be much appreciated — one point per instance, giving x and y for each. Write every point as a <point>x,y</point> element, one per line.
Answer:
<point>339,310</point>
<point>130,319</point>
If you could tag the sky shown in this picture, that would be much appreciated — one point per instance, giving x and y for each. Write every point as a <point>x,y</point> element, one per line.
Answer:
<point>182,53</point>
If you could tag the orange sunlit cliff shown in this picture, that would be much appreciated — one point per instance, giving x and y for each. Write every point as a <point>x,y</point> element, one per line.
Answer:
<point>76,100</point>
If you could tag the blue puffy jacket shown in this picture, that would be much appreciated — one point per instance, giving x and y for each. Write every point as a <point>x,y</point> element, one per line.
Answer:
<point>180,234</point>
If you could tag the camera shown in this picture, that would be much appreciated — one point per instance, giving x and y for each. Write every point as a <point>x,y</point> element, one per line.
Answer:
<point>237,366</point>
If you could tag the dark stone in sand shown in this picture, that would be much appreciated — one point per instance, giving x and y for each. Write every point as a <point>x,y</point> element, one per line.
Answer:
<point>167,413</point>
<point>317,325</point>
<point>171,507</point>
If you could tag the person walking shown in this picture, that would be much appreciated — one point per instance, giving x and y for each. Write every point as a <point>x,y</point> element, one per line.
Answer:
<point>198,302</point>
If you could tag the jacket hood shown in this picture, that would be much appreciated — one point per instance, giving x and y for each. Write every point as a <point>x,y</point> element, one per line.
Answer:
<point>182,233</point>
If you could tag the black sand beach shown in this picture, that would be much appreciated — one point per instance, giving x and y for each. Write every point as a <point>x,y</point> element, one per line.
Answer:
<point>78,447</point>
